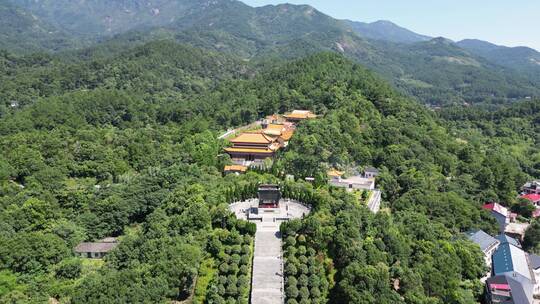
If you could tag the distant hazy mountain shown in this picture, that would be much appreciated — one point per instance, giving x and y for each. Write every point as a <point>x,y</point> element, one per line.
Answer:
<point>437,71</point>
<point>109,17</point>
<point>22,31</point>
<point>386,30</point>
<point>521,58</point>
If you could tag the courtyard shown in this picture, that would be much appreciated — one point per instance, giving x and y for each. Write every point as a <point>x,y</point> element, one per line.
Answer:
<point>267,275</point>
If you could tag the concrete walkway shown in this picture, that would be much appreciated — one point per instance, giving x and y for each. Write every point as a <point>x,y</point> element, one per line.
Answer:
<point>267,277</point>
<point>267,281</point>
<point>374,203</point>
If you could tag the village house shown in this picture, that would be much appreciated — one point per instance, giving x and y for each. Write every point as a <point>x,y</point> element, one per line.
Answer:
<point>370,172</point>
<point>533,198</point>
<point>516,274</point>
<point>504,289</point>
<point>501,214</point>
<point>358,182</point>
<point>96,250</point>
<point>532,187</point>
<point>511,262</point>
<point>487,243</point>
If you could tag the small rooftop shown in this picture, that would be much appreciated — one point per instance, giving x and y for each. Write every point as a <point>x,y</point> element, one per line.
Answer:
<point>535,261</point>
<point>101,247</point>
<point>503,238</point>
<point>334,173</point>
<point>483,239</point>
<point>371,169</point>
<point>300,114</point>
<point>235,168</point>
<point>516,228</point>
<point>496,207</point>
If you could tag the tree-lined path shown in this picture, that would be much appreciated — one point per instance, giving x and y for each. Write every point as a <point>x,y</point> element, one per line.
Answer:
<point>267,277</point>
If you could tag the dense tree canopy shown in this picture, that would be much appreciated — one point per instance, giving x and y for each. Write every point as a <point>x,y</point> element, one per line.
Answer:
<point>108,145</point>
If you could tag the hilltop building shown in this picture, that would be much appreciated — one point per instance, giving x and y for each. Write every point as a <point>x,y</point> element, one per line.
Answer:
<point>359,182</point>
<point>273,119</point>
<point>251,148</point>
<point>299,115</point>
<point>96,250</point>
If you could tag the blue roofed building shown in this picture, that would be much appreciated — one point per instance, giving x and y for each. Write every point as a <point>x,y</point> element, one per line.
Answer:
<point>503,238</point>
<point>514,264</point>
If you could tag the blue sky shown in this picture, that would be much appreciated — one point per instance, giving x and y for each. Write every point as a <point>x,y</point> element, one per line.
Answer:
<point>506,22</point>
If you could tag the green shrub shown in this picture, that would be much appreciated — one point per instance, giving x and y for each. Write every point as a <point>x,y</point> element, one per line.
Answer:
<point>69,268</point>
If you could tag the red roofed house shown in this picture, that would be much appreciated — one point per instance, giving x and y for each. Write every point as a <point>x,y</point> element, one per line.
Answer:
<point>501,214</point>
<point>533,197</point>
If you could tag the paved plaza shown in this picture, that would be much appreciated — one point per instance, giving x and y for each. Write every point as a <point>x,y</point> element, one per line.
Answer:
<point>267,277</point>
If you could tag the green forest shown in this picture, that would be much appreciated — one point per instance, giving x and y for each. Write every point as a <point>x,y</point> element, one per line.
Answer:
<point>123,142</point>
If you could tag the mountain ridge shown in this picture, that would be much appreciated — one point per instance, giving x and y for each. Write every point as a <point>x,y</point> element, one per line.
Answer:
<point>386,30</point>
<point>429,69</point>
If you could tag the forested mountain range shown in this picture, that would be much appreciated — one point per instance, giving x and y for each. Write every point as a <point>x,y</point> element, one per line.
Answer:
<point>436,73</point>
<point>521,58</point>
<point>115,134</point>
<point>126,146</point>
<point>23,32</point>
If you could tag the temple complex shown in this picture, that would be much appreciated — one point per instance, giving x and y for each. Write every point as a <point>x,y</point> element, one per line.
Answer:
<point>252,148</point>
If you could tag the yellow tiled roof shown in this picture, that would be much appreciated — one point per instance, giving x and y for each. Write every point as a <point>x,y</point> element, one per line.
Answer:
<point>335,173</point>
<point>286,136</point>
<point>256,138</point>
<point>300,114</point>
<point>275,127</point>
<point>236,168</point>
<point>249,150</point>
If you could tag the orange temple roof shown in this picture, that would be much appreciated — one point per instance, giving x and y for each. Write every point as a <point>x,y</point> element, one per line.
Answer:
<point>287,135</point>
<point>249,150</point>
<point>237,168</point>
<point>335,173</point>
<point>255,138</point>
<point>300,114</point>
